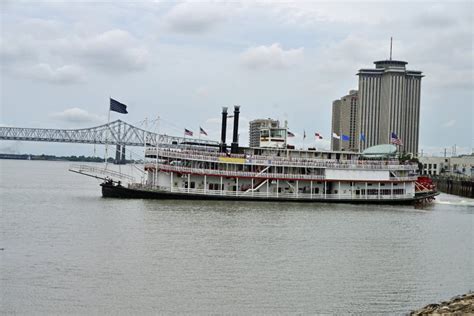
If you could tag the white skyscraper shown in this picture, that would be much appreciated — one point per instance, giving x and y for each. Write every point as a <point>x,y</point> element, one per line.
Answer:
<point>389,102</point>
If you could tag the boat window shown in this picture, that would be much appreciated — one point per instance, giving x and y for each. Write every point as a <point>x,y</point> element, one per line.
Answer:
<point>278,133</point>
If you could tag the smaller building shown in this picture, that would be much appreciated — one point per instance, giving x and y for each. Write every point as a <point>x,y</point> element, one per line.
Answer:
<point>273,137</point>
<point>345,123</point>
<point>456,166</point>
<point>256,126</point>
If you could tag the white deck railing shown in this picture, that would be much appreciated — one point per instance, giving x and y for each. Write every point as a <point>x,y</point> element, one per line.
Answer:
<point>284,162</point>
<point>280,195</point>
<point>255,175</point>
<point>95,172</point>
<point>225,173</point>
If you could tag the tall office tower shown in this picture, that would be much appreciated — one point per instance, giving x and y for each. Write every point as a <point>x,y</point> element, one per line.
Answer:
<point>389,102</point>
<point>254,130</point>
<point>344,123</point>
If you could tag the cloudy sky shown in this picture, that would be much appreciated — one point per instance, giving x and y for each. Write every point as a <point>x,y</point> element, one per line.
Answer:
<point>182,61</point>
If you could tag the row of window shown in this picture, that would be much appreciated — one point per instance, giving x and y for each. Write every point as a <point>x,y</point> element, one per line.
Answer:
<point>217,186</point>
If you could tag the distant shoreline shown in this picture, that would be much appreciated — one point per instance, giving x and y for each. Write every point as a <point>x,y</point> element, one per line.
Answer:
<point>44,157</point>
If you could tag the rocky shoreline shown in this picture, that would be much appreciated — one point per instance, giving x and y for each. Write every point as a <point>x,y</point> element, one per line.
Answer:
<point>458,305</point>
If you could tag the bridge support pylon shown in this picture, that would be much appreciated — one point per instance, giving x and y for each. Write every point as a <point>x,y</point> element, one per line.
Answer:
<point>120,155</point>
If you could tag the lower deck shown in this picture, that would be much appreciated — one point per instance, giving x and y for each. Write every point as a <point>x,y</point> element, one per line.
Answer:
<point>279,189</point>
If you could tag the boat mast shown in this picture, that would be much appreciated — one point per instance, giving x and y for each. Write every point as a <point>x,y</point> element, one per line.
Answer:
<point>107,137</point>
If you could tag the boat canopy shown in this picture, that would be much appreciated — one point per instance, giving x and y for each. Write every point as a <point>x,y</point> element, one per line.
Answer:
<point>380,151</point>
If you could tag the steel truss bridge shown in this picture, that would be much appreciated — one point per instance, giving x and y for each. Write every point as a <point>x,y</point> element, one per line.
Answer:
<point>114,133</point>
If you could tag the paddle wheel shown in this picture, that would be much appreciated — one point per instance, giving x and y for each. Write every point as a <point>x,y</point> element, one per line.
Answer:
<point>424,186</point>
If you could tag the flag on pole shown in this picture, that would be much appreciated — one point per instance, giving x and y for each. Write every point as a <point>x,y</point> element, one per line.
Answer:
<point>290,134</point>
<point>202,131</point>
<point>116,106</point>
<point>395,140</point>
<point>304,134</point>
<point>362,137</point>
<point>188,132</point>
<point>318,135</point>
<point>334,135</point>
<point>345,138</point>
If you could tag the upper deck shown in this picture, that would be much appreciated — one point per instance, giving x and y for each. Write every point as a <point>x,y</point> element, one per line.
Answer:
<point>281,158</point>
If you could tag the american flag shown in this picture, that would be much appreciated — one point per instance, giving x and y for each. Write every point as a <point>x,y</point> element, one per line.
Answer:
<point>318,135</point>
<point>202,131</point>
<point>188,132</point>
<point>395,140</point>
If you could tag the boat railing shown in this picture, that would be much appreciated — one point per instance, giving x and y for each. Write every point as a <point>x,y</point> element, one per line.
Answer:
<point>407,178</point>
<point>245,174</point>
<point>97,172</point>
<point>274,194</point>
<point>281,161</point>
<point>225,173</point>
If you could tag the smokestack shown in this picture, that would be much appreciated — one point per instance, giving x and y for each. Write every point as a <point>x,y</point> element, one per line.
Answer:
<point>234,147</point>
<point>223,145</point>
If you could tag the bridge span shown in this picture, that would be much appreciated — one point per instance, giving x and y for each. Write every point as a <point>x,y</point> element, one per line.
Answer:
<point>117,133</point>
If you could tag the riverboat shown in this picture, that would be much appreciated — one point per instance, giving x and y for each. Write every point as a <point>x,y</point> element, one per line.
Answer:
<point>190,170</point>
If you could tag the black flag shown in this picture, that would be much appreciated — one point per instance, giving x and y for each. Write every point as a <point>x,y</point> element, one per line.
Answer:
<point>117,106</point>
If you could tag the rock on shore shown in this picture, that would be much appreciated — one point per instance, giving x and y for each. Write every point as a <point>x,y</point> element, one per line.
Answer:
<point>458,305</point>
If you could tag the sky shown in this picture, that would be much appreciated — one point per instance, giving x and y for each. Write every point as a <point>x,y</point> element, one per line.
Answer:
<point>61,61</point>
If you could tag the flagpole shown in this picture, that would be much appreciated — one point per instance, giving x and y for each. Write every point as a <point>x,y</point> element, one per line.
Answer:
<point>158,129</point>
<point>107,138</point>
<point>340,137</point>
<point>304,137</point>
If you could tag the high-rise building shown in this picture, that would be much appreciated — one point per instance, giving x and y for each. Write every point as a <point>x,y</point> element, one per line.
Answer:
<point>344,123</point>
<point>254,130</point>
<point>389,102</point>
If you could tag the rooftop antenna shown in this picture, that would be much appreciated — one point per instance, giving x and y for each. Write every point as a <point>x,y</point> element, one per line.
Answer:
<point>390,48</point>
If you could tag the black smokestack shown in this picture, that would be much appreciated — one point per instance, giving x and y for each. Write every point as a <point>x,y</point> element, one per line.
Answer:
<point>223,145</point>
<point>234,147</point>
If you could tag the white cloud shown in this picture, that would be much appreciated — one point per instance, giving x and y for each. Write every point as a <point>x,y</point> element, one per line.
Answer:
<point>43,29</point>
<point>195,17</point>
<point>434,17</point>
<point>113,51</point>
<point>271,57</point>
<point>202,92</point>
<point>449,123</point>
<point>77,116</point>
<point>13,52</point>
<point>338,39</point>
<point>313,13</point>
<point>67,74</point>
<point>213,120</point>
<point>42,42</point>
